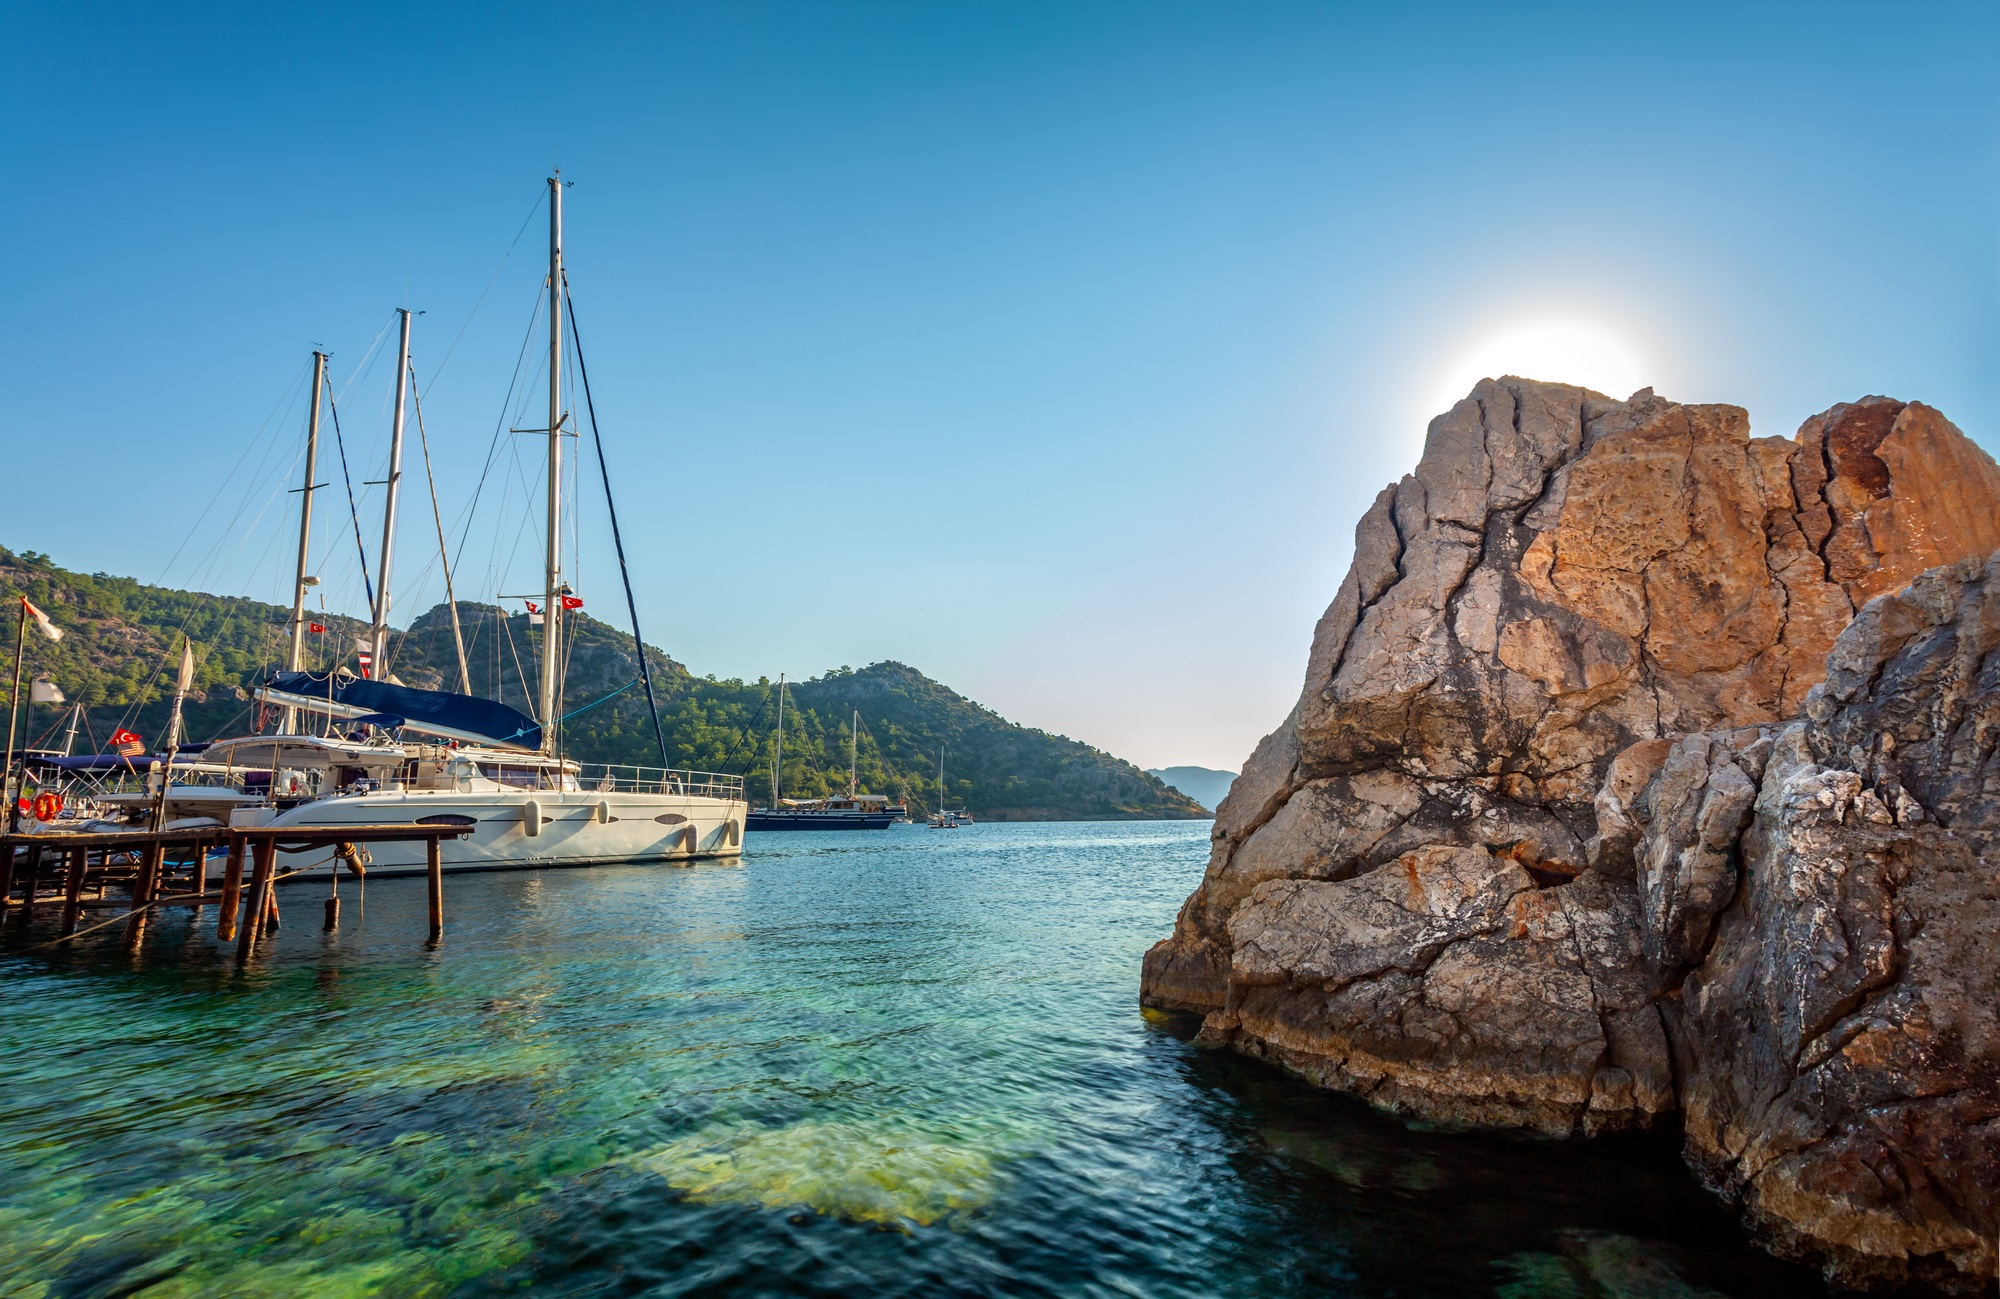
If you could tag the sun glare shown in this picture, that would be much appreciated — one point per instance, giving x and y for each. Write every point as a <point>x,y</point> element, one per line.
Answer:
<point>1557,351</point>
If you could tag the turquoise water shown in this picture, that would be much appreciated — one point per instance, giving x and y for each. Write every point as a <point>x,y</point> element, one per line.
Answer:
<point>901,1063</point>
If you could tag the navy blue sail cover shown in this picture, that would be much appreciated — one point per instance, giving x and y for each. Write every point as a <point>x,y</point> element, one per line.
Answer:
<point>440,712</point>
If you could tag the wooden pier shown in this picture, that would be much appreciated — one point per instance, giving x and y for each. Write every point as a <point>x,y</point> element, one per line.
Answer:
<point>169,868</point>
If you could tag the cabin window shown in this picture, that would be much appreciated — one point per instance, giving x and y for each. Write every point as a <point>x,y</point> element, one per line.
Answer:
<point>517,777</point>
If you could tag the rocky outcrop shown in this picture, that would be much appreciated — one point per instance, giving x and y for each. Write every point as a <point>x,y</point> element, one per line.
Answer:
<point>1839,1045</point>
<point>1468,875</point>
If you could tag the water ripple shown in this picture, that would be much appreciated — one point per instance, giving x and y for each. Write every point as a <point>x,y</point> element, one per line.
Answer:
<point>901,1063</point>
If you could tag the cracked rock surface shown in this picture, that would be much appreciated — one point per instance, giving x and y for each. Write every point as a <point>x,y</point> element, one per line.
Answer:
<point>1511,813</point>
<point>1838,1045</point>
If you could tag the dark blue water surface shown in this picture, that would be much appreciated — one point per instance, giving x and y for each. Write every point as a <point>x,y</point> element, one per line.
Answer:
<point>896,1063</point>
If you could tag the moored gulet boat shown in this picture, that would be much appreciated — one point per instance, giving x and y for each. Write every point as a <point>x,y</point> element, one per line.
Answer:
<point>475,761</point>
<point>851,811</point>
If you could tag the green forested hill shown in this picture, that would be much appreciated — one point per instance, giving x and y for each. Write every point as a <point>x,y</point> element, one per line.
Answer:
<point>122,639</point>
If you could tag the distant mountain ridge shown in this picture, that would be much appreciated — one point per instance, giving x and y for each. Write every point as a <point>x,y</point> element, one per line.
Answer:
<point>1205,785</point>
<point>121,634</point>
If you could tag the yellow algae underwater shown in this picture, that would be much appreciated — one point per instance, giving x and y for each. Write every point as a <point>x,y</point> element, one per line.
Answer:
<point>860,1172</point>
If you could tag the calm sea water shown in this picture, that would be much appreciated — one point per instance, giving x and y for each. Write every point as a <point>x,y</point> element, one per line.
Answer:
<point>901,1063</point>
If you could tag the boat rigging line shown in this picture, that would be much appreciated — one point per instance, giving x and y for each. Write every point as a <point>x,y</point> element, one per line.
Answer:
<point>444,557</point>
<point>499,426</point>
<point>491,281</point>
<point>353,511</point>
<point>617,539</point>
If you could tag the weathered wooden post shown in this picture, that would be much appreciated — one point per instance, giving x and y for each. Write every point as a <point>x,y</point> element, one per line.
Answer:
<point>232,890</point>
<point>142,890</point>
<point>260,890</point>
<point>79,865</point>
<point>434,859</point>
<point>33,870</point>
<point>199,885</point>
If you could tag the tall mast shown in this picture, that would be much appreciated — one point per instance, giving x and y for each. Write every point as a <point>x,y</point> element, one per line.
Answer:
<point>778,758</point>
<point>552,609</point>
<point>297,658</point>
<point>854,755</point>
<point>395,481</point>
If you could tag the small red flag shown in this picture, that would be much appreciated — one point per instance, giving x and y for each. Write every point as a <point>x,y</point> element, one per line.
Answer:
<point>126,744</point>
<point>365,659</point>
<point>316,628</point>
<point>534,613</point>
<point>572,602</point>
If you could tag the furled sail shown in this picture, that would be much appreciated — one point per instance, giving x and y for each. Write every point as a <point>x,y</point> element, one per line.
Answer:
<point>436,712</point>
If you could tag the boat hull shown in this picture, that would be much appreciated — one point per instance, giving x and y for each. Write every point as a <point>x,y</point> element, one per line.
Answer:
<point>840,820</point>
<point>511,833</point>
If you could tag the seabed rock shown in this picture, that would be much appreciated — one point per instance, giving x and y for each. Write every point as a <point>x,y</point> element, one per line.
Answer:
<point>1602,809</point>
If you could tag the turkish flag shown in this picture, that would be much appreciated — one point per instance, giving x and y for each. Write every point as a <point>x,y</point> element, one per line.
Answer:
<point>572,602</point>
<point>126,744</point>
<point>316,629</point>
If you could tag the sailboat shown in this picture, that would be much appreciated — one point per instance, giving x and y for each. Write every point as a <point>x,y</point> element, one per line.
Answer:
<point>852,811</point>
<point>944,818</point>
<point>392,754</point>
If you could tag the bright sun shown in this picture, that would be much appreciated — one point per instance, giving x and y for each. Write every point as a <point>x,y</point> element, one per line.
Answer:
<point>1560,351</point>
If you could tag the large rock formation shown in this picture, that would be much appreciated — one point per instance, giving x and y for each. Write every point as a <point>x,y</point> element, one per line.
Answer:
<point>1839,1045</point>
<point>1503,823</point>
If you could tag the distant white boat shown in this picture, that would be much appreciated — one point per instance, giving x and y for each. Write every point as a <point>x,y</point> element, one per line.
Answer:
<point>944,818</point>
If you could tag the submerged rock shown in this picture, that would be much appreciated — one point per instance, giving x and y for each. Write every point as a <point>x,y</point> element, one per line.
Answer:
<point>1541,721</point>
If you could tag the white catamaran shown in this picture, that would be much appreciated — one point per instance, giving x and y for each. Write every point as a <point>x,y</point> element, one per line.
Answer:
<point>475,761</point>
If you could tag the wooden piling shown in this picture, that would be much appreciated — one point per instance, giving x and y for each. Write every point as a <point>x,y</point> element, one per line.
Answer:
<point>79,867</point>
<point>232,891</point>
<point>260,889</point>
<point>157,882</point>
<point>332,915</point>
<point>434,860</point>
<point>33,869</point>
<point>142,889</point>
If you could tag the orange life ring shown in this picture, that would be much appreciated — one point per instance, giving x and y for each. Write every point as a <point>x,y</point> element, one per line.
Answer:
<point>47,806</point>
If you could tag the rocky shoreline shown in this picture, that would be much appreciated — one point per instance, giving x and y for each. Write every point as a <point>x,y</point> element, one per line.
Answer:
<point>1644,776</point>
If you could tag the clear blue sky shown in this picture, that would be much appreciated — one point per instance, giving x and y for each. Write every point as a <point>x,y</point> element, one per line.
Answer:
<point>1051,348</point>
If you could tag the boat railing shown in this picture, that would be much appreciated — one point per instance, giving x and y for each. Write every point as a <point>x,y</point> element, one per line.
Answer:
<point>608,778</point>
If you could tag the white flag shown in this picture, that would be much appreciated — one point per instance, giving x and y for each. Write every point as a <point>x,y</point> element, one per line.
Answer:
<point>187,667</point>
<point>44,691</point>
<point>48,628</point>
